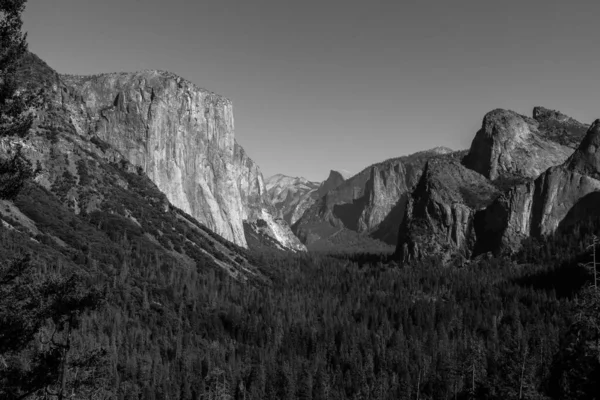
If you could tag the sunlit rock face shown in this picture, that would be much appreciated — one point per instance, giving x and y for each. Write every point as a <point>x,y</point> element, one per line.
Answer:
<point>493,200</point>
<point>561,196</point>
<point>291,195</point>
<point>181,136</point>
<point>512,145</point>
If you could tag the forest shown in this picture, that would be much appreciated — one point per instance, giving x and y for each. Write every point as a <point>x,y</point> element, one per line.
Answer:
<point>94,306</point>
<point>331,327</point>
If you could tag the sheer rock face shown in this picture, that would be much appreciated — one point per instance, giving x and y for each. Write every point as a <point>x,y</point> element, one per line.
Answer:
<point>371,202</point>
<point>457,209</point>
<point>540,207</point>
<point>440,214</point>
<point>182,137</point>
<point>512,145</point>
<point>386,185</point>
<point>586,159</point>
<point>291,196</point>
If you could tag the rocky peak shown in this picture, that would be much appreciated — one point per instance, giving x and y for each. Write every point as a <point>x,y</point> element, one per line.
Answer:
<point>291,196</point>
<point>371,203</point>
<point>555,200</point>
<point>457,209</point>
<point>439,216</point>
<point>586,159</point>
<point>280,182</point>
<point>440,150</point>
<point>500,131</point>
<point>335,179</point>
<point>510,145</point>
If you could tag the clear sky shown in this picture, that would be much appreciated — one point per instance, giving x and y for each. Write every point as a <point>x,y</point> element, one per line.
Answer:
<point>341,84</point>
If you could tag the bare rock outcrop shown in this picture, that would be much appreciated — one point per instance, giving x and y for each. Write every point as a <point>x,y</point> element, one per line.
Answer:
<point>460,209</point>
<point>512,145</point>
<point>440,214</point>
<point>334,180</point>
<point>369,203</point>
<point>559,197</point>
<point>291,196</point>
<point>182,137</point>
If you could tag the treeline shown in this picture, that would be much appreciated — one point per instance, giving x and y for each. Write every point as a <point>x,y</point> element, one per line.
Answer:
<point>343,327</point>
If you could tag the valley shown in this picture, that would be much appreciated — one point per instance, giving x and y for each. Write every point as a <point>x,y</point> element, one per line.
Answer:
<point>144,255</point>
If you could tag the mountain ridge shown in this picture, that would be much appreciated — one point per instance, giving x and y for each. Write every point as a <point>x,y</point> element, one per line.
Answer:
<point>370,204</point>
<point>512,153</point>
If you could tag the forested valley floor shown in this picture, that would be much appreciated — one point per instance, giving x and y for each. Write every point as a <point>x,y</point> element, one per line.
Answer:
<point>336,326</point>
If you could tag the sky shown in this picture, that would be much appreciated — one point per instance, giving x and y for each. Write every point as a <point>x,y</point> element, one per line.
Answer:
<point>341,84</point>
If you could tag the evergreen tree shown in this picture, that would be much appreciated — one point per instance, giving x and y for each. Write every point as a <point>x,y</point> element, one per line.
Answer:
<point>38,316</point>
<point>576,367</point>
<point>15,104</point>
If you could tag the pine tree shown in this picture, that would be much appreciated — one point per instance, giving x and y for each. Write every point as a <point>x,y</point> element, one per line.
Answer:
<point>38,316</point>
<point>575,370</point>
<point>15,104</point>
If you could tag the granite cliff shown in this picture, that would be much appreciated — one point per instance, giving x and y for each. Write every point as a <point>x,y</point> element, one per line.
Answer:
<point>291,196</point>
<point>482,202</point>
<point>90,207</point>
<point>440,214</point>
<point>371,203</point>
<point>182,137</point>
<point>510,145</point>
<point>561,196</point>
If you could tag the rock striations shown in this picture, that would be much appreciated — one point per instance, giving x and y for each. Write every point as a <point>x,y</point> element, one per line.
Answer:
<point>182,137</point>
<point>559,197</point>
<point>90,207</point>
<point>520,178</point>
<point>291,196</point>
<point>512,145</point>
<point>370,203</point>
<point>440,214</point>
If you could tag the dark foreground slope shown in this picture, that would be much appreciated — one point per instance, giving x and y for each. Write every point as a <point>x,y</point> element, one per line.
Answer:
<point>333,328</point>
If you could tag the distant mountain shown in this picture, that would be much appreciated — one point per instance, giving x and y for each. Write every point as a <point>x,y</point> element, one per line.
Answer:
<point>335,179</point>
<point>290,196</point>
<point>293,196</point>
<point>369,204</point>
